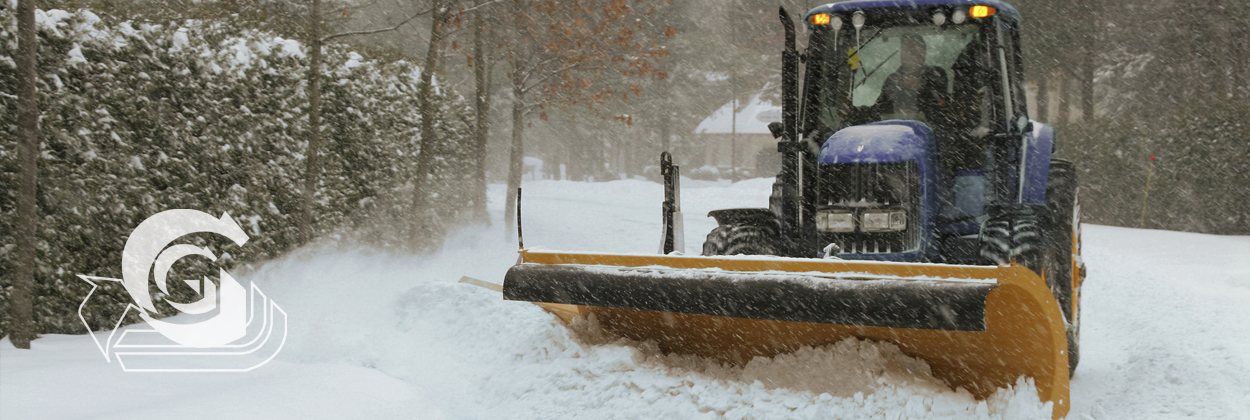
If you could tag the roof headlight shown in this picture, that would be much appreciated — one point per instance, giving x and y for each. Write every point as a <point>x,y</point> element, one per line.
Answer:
<point>959,16</point>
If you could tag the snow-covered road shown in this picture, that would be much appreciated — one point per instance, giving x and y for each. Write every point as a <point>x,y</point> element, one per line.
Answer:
<point>1165,334</point>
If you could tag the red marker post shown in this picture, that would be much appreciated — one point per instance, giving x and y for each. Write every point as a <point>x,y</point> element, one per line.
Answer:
<point>1141,223</point>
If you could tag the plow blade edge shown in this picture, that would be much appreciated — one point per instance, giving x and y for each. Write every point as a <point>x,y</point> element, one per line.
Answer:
<point>777,296</point>
<point>979,327</point>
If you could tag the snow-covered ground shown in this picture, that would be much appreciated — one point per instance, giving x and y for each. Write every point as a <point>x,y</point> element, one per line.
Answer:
<point>1166,334</point>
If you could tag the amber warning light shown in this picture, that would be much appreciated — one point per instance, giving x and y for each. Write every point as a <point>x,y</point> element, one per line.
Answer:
<point>981,11</point>
<point>819,19</point>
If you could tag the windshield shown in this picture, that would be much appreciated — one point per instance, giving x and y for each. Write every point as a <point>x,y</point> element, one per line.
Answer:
<point>923,73</point>
<point>905,53</point>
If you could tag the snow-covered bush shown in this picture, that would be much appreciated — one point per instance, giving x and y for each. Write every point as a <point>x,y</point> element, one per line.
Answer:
<point>212,116</point>
<point>652,173</point>
<point>706,173</point>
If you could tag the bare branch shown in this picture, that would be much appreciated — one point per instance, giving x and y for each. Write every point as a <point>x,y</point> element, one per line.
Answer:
<point>530,107</point>
<point>362,6</point>
<point>377,31</point>
<point>448,34</point>
<point>550,74</point>
<point>480,6</point>
<point>534,69</point>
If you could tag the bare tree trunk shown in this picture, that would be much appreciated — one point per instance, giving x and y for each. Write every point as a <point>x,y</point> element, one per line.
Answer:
<point>621,153</point>
<point>517,161</point>
<point>1087,82</point>
<point>1240,56</point>
<point>311,170</point>
<point>1043,98</point>
<point>27,177</point>
<point>1065,95</point>
<point>666,122</point>
<point>481,73</point>
<point>1225,48</point>
<point>1242,225</point>
<point>1087,90</point>
<point>733,110</point>
<point>1088,61</point>
<point>426,94</point>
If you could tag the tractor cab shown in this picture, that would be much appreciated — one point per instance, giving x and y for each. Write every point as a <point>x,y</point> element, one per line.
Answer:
<point>935,64</point>
<point>912,72</point>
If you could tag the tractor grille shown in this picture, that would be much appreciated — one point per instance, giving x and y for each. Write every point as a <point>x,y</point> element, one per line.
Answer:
<point>860,187</point>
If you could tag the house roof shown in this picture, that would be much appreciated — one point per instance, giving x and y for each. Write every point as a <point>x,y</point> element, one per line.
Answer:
<point>751,119</point>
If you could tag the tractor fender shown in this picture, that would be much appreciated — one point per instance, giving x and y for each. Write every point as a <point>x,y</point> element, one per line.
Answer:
<point>1040,146</point>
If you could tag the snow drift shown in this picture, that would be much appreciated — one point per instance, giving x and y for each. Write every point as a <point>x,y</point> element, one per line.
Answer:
<point>376,335</point>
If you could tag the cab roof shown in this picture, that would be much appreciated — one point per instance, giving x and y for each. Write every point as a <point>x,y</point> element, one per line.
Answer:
<point>1004,10</point>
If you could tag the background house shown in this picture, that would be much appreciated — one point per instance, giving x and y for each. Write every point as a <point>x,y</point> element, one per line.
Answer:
<point>739,140</point>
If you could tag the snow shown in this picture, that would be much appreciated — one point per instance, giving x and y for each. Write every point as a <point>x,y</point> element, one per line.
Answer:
<point>871,143</point>
<point>354,60</point>
<point>289,47</point>
<point>75,57</point>
<point>181,40</point>
<point>239,54</point>
<point>126,29</point>
<point>61,379</point>
<point>534,169</point>
<point>376,335</point>
<point>809,277</point>
<point>1164,329</point>
<point>51,20</point>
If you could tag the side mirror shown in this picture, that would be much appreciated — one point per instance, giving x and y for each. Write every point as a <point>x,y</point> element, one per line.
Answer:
<point>1023,125</point>
<point>776,128</point>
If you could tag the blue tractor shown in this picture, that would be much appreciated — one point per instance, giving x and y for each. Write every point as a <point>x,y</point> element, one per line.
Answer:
<point>909,141</point>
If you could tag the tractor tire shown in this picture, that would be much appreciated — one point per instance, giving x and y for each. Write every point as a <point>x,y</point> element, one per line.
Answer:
<point>1065,272</point>
<point>745,239</point>
<point>1014,232</point>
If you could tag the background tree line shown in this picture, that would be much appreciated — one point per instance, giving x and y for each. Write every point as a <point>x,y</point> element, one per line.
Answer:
<point>203,107</point>
<point>1129,79</point>
<point>457,92</point>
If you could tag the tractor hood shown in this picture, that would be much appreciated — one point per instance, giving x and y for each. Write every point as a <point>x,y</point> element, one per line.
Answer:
<point>886,142</point>
<point>880,142</point>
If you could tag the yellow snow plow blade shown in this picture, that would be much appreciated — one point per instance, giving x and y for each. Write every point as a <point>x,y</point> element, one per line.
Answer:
<point>979,327</point>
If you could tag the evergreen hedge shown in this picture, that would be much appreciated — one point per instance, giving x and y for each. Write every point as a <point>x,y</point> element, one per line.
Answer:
<point>211,116</point>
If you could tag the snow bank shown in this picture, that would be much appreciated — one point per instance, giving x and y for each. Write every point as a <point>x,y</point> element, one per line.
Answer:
<point>487,358</point>
<point>60,378</point>
<point>479,356</point>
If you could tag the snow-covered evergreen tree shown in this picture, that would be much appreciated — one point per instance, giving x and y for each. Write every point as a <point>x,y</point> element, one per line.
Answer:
<point>141,118</point>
